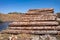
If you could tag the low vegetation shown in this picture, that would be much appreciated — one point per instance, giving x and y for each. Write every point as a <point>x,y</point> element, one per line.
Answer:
<point>21,36</point>
<point>15,13</point>
<point>1,21</point>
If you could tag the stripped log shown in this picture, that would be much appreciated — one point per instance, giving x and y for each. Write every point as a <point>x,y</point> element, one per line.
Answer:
<point>25,17</point>
<point>39,11</point>
<point>58,28</point>
<point>58,32</point>
<point>34,17</point>
<point>51,10</point>
<point>58,19</point>
<point>35,23</point>
<point>44,9</point>
<point>30,31</point>
<point>33,28</point>
<point>37,17</point>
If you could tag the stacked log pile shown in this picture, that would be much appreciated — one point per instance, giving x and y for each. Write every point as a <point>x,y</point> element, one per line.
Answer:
<point>35,22</point>
<point>51,10</point>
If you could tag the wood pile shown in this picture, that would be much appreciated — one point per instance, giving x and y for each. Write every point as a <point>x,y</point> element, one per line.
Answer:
<point>36,21</point>
<point>51,10</point>
<point>27,17</point>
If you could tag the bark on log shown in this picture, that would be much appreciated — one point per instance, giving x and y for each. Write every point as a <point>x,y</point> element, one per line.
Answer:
<point>35,23</point>
<point>30,31</point>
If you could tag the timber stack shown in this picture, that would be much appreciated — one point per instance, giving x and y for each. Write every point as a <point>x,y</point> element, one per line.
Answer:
<point>35,21</point>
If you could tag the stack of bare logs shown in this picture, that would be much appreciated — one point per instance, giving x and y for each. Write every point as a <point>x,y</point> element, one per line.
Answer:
<point>43,22</point>
<point>34,11</point>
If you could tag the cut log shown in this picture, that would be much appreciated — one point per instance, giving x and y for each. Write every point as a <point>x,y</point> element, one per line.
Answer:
<point>35,23</point>
<point>58,28</point>
<point>41,10</point>
<point>30,31</point>
<point>25,17</point>
<point>38,12</point>
<point>44,9</point>
<point>58,32</point>
<point>33,28</point>
<point>37,17</point>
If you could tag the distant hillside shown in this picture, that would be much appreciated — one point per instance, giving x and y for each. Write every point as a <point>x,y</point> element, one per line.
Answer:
<point>9,17</point>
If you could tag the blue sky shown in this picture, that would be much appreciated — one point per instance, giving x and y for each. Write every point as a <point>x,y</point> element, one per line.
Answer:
<point>7,6</point>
